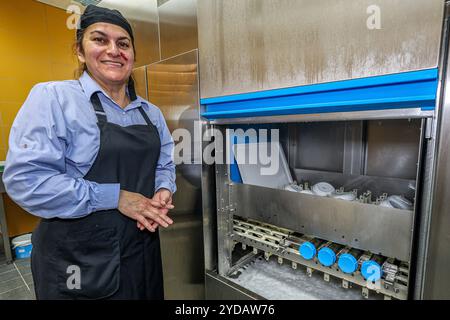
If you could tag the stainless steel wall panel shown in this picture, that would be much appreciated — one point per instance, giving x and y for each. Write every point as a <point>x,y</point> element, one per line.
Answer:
<point>435,275</point>
<point>177,27</point>
<point>209,210</point>
<point>143,16</point>
<point>364,226</point>
<point>393,148</point>
<point>428,180</point>
<point>319,146</point>
<point>173,87</point>
<point>252,45</point>
<point>140,81</point>
<point>182,248</point>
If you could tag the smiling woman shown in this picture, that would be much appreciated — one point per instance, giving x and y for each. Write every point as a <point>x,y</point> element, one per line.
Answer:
<point>95,162</point>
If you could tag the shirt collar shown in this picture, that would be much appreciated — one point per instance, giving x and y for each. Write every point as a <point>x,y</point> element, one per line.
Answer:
<point>90,86</point>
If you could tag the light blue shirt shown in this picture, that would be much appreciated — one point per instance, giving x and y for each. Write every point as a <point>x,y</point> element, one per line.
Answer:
<point>54,141</point>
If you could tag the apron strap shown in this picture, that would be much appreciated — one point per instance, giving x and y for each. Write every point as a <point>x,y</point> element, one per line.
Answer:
<point>145,116</point>
<point>101,115</point>
<point>98,108</point>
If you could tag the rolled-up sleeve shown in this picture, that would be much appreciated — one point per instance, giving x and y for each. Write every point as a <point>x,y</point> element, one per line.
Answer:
<point>165,169</point>
<point>35,174</point>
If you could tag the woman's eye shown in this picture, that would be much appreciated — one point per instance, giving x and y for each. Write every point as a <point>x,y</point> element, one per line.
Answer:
<point>124,45</point>
<point>99,40</point>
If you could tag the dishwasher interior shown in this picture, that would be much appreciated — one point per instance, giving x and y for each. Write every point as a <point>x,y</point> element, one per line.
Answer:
<point>335,219</point>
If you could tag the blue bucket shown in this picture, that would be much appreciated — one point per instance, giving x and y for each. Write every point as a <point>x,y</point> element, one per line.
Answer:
<point>22,246</point>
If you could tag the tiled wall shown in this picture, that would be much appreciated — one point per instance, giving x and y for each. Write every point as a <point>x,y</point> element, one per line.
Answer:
<point>35,46</point>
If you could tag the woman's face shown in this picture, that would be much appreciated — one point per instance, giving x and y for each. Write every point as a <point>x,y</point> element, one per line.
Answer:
<point>108,53</point>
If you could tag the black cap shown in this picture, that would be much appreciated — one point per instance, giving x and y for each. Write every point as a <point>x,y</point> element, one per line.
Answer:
<point>93,14</point>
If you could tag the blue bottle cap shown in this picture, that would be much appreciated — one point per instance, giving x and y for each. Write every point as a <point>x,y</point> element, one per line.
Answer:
<point>371,269</point>
<point>347,263</point>
<point>326,256</point>
<point>307,250</point>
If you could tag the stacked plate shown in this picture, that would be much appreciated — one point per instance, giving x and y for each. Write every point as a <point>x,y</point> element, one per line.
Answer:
<point>349,196</point>
<point>292,187</point>
<point>323,189</point>
<point>396,201</point>
<point>386,203</point>
<point>400,202</point>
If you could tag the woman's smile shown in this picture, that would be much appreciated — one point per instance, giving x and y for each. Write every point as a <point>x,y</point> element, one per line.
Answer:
<point>114,64</point>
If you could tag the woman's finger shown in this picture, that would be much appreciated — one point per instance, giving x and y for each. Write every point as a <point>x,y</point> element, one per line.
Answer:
<point>140,226</point>
<point>161,219</point>
<point>158,204</point>
<point>160,212</point>
<point>145,223</point>
<point>166,219</point>
<point>155,203</point>
<point>154,225</point>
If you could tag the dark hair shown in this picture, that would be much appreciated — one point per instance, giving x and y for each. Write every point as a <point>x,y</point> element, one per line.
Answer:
<point>81,66</point>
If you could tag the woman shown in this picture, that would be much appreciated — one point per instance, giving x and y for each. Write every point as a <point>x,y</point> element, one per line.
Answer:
<point>87,156</point>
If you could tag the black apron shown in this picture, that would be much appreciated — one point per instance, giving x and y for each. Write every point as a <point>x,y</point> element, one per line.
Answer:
<point>104,255</point>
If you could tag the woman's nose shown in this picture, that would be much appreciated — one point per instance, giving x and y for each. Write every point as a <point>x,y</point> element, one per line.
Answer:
<point>113,49</point>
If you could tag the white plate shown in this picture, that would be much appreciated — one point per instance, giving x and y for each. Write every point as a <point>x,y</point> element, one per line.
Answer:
<point>292,187</point>
<point>307,192</point>
<point>323,189</point>
<point>400,202</point>
<point>386,203</point>
<point>349,196</point>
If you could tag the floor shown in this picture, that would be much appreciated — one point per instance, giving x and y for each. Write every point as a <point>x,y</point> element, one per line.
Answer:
<point>16,282</point>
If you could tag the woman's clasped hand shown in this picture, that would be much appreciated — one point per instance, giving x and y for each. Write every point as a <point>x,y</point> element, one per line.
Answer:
<point>149,213</point>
